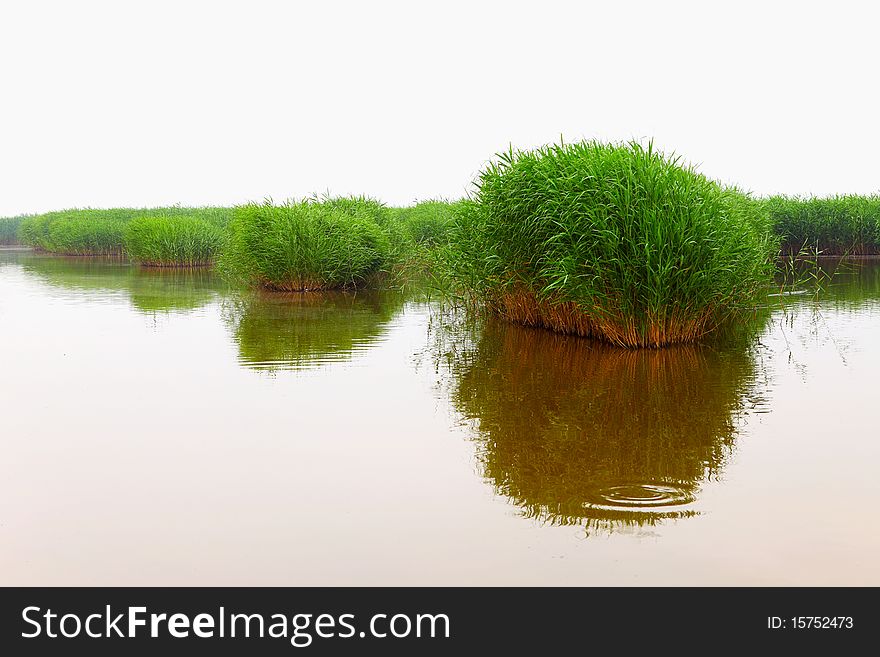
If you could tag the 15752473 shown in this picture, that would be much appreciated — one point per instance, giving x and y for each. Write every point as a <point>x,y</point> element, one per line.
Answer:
<point>810,623</point>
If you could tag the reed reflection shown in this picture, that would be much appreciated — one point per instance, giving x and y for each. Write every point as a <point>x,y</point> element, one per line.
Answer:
<point>838,283</point>
<point>577,432</point>
<point>296,331</point>
<point>150,290</point>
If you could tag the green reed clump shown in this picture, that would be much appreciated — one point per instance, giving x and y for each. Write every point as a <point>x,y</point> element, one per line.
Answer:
<point>101,232</point>
<point>356,206</point>
<point>612,241</point>
<point>416,233</point>
<point>306,245</point>
<point>837,225</point>
<point>427,223</point>
<point>77,235</point>
<point>169,241</point>
<point>400,248</point>
<point>9,230</point>
<point>75,232</point>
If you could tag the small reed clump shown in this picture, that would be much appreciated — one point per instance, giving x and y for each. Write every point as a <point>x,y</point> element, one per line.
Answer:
<point>614,242</point>
<point>306,245</point>
<point>169,241</point>
<point>82,235</point>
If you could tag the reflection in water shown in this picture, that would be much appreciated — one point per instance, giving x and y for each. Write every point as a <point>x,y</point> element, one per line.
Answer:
<point>303,330</point>
<point>10,255</point>
<point>837,283</point>
<point>832,304</point>
<point>577,432</point>
<point>150,290</point>
<point>846,283</point>
<point>165,289</point>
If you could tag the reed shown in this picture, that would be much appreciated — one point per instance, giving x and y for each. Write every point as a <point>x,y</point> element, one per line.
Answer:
<point>305,245</point>
<point>837,225</point>
<point>98,232</point>
<point>169,241</point>
<point>411,230</point>
<point>428,223</point>
<point>101,236</point>
<point>9,230</point>
<point>611,241</point>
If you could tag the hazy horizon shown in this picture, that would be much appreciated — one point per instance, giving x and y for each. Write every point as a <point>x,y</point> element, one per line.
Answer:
<point>216,103</point>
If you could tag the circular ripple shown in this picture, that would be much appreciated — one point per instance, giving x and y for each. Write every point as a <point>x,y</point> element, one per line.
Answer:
<point>644,496</point>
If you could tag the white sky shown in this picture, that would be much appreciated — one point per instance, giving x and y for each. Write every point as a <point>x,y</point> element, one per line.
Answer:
<point>120,103</point>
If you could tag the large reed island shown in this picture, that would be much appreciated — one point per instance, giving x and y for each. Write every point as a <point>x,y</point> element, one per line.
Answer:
<point>307,245</point>
<point>168,241</point>
<point>612,241</point>
<point>837,225</point>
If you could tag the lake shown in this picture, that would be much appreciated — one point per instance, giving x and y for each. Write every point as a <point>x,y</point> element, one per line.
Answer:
<point>159,428</point>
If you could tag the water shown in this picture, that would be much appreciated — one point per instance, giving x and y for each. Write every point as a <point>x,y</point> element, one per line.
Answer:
<point>158,428</point>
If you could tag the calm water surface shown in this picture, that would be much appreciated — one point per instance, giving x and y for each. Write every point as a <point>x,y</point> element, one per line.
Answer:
<point>158,428</point>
